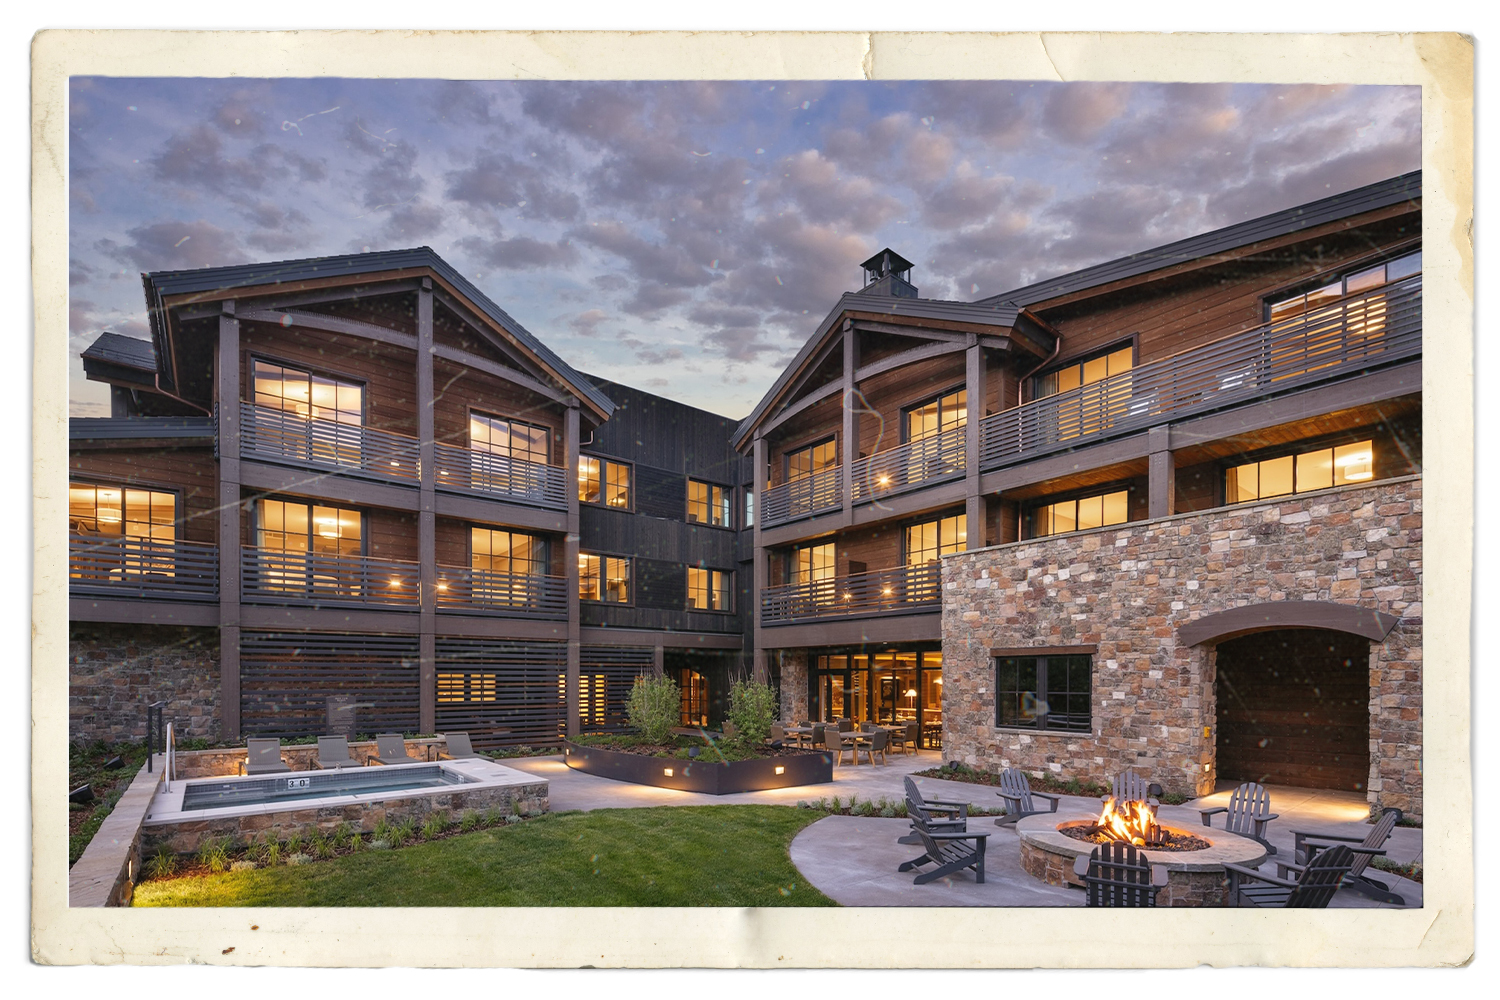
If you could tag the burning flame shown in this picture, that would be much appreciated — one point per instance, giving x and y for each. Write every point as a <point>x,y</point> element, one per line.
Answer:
<point>1133,822</point>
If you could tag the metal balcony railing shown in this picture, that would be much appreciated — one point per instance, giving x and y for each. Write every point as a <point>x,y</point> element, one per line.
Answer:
<point>497,477</point>
<point>289,439</point>
<point>128,567</point>
<point>804,497</point>
<point>916,463</point>
<point>1341,338</point>
<point>268,576</point>
<point>461,590</point>
<point>900,590</point>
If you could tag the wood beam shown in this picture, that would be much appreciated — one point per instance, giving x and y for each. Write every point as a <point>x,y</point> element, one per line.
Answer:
<point>491,331</point>
<point>805,403</point>
<point>604,636</point>
<point>499,371</point>
<point>269,478</point>
<point>227,400</point>
<point>1162,488</point>
<point>915,332</point>
<point>850,431</point>
<point>473,508</point>
<point>762,574</point>
<point>426,518</point>
<point>918,627</point>
<point>916,354</point>
<point>974,385</point>
<point>570,569</point>
<point>373,290</point>
<point>331,324</point>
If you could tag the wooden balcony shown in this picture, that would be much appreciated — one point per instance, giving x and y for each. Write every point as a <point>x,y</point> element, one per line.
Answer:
<point>804,497</point>
<point>288,439</point>
<point>497,477</point>
<point>896,591</point>
<point>917,463</point>
<point>1342,338</point>
<point>465,591</point>
<point>128,568</point>
<point>305,578</point>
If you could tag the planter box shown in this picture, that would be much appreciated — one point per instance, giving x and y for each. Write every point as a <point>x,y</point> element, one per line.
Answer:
<point>713,777</point>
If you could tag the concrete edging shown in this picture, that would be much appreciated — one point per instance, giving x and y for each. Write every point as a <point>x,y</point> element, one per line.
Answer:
<point>105,874</point>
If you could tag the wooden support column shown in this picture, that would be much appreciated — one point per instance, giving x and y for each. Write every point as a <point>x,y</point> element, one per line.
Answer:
<point>227,400</point>
<point>850,446</point>
<point>570,565</point>
<point>1163,474</point>
<point>974,384</point>
<point>659,659</point>
<point>426,518</point>
<point>762,574</point>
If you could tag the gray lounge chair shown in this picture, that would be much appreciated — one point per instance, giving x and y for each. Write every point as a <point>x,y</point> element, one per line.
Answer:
<point>391,749</point>
<point>946,815</point>
<point>1131,787</point>
<point>263,757</point>
<point>1248,812</point>
<point>950,851</point>
<point>333,753</point>
<point>457,747</point>
<point>1315,885</point>
<point>1306,847</point>
<point>1015,791</point>
<point>1116,874</point>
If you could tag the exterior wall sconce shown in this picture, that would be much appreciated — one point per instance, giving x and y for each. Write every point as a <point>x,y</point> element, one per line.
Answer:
<point>667,771</point>
<point>780,769</point>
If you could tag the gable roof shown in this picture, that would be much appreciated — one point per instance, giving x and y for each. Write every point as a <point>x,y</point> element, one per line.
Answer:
<point>160,285</point>
<point>117,349</point>
<point>1382,194</point>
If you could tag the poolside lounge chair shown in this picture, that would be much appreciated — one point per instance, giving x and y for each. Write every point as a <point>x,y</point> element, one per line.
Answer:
<point>263,757</point>
<point>1306,847</point>
<point>333,753</point>
<point>950,851</point>
<point>457,747</point>
<point>1015,791</point>
<point>392,750</point>
<point>1116,874</point>
<point>1247,814</point>
<point>1315,885</point>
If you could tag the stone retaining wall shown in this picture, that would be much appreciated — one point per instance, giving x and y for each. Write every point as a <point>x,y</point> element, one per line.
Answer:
<point>116,670</point>
<point>1127,589</point>
<point>303,757</point>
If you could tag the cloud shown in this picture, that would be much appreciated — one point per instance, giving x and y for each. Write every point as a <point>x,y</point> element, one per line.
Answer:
<point>817,188</point>
<point>586,324</point>
<point>174,244</point>
<point>240,114</point>
<point>499,181</point>
<point>462,103</point>
<point>1077,112</point>
<point>520,253</point>
<point>196,159</point>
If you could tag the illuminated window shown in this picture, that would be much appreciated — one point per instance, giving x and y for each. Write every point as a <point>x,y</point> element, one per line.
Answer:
<point>1299,473</point>
<point>114,510</point>
<point>1309,301</point>
<point>603,481</point>
<point>694,687</point>
<point>508,438</point>
<point>458,688</point>
<point>942,414</point>
<point>708,589</point>
<point>708,504</point>
<point>811,460</point>
<point>1044,692</point>
<point>603,578</point>
<point>1082,373</point>
<point>304,394</point>
<point>812,564</point>
<point>1081,514</point>
<point>301,545</point>
<point>504,562</point>
<point>926,542</point>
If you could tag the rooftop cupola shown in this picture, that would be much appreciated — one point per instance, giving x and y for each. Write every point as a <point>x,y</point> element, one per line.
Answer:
<point>888,273</point>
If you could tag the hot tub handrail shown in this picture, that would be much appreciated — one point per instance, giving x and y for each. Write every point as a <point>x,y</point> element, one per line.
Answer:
<point>170,746</point>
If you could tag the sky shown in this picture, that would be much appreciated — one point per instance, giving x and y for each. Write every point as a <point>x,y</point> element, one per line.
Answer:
<point>687,237</point>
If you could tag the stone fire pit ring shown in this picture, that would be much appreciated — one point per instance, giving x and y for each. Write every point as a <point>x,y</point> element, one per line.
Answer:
<point>1194,878</point>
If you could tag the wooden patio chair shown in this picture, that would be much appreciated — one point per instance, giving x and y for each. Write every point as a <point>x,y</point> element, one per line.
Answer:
<point>778,735</point>
<point>333,753</point>
<point>390,748</point>
<point>1015,791</point>
<point>263,756</point>
<point>456,746</point>
<point>1307,846</point>
<point>947,815</point>
<point>1116,874</point>
<point>874,744</point>
<point>834,740</point>
<point>1247,814</point>
<point>1131,787</point>
<point>950,851</point>
<point>1315,885</point>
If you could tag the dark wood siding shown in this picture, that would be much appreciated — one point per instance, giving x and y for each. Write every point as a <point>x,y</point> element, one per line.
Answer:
<point>191,473</point>
<point>460,390</point>
<point>286,679</point>
<point>527,706</point>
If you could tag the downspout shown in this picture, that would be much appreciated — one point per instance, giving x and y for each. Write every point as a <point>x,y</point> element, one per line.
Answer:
<point>156,380</point>
<point>1056,350</point>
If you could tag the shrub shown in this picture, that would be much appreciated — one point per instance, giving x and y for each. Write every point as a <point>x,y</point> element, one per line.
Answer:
<point>470,820</point>
<point>382,830</point>
<point>163,863</point>
<point>435,825</point>
<point>654,706</point>
<point>294,843</point>
<point>752,710</point>
<point>273,854</point>
<point>213,855</point>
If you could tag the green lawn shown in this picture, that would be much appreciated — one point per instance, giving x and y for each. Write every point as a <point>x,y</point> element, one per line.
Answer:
<point>730,855</point>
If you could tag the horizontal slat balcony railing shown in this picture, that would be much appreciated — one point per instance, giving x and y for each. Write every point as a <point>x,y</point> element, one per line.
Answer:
<point>289,439</point>
<point>510,595</point>
<point>1340,338</point>
<point>804,497</point>
<point>497,477</point>
<point>916,463</point>
<point>271,577</point>
<point>127,568</point>
<point>901,590</point>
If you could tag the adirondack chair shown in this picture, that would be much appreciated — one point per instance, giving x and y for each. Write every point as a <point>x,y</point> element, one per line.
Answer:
<point>1116,874</point>
<point>1315,885</point>
<point>1131,787</point>
<point>941,814</point>
<point>1016,791</point>
<point>1307,846</point>
<point>1247,814</point>
<point>950,851</point>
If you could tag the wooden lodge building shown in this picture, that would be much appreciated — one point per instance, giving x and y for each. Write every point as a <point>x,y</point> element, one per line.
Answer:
<point>1163,513</point>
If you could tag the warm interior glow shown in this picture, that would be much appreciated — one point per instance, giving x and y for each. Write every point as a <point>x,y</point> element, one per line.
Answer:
<point>1133,822</point>
<point>667,771</point>
<point>395,582</point>
<point>780,769</point>
<point>1356,459</point>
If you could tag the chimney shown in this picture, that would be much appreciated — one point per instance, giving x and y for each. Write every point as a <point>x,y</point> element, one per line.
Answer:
<point>888,273</point>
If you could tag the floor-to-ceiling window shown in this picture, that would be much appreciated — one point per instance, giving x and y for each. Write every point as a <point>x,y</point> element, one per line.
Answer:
<point>890,687</point>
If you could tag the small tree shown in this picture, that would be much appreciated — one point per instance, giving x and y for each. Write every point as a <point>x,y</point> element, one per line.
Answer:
<point>654,706</point>
<point>752,709</point>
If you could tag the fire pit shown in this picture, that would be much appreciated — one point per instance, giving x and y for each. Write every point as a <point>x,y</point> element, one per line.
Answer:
<point>1194,856</point>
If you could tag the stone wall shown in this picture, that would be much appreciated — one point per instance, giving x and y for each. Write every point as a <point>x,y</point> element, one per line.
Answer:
<point>1127,589</point>
<point>793,684</point>
<point>116,670</point>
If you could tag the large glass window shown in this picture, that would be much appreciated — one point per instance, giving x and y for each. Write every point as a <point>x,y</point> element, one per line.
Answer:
<point>1366,279</point>
<point>1044,692</point>
<point>500,550</point>
<point>299,544</point>
<point>1318,469</point>
<point>811,460</point>
<point>1082,373</point>
<point>942,414</point>
<point>694,687</point>
<point>115,510</point>
<point>303,394</point>
<point>708,589</point>
<point>603,481</point>
<point>749,509</point>
<point>926,542</point>
<point>603,578</point>
<point>812,564</point>
<point>509,438</point>
<point>1081,514</point>
<point>708,504</point>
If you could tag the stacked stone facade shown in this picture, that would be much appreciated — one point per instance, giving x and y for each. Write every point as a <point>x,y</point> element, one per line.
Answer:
<point>1126,590</point>
<point>794,707</point>
<point>116,670</point>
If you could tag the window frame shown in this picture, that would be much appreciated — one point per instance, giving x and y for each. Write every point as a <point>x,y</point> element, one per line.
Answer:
<point>1323,443</point>
<point>786,457</point>
<point>1034,382</point>
<point>472,411</point>
<point>906,527</point>
<point>1042,654</point>
<point>544,562</point>
<point>906,411</point>
<point>603,580</point>
<point>364,384</point>
<point>255,515</point>
<point>178,501</point>
<point>729,593</point>
<point>604,462</point>
<point>1342,272</point>
<point>726,492</point>
<point>1030,508</point>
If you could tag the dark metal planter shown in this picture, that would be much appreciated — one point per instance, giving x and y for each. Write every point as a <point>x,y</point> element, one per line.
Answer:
<point>714,777</point>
